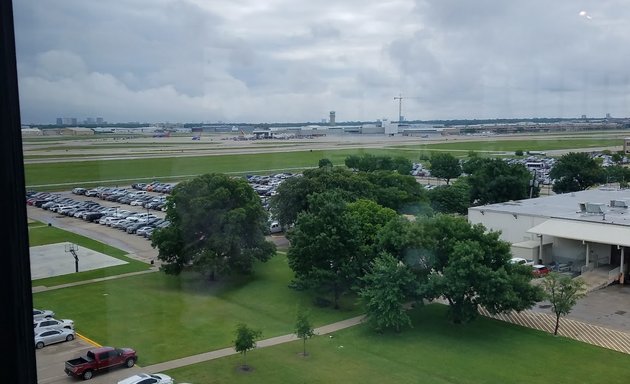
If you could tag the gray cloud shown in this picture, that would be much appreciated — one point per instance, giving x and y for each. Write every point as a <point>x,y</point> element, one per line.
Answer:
<point>281,60</point>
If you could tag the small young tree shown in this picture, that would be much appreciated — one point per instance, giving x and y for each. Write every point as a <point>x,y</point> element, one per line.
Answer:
<point>563,292</point>
<point>245,340</point>
<point>303,328</point>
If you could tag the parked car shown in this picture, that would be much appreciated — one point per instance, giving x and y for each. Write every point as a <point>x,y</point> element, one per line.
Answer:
<point>47,324</point>
<point>53,336</point>
<point>539,270</point>
<point>99,359</point>
<point>521,261</point>
<point>143,230</point>
<point>41,314</point>
<point>145,378</point>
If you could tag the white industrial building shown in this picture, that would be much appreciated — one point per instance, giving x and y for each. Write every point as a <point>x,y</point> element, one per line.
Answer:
<point>586,233</point>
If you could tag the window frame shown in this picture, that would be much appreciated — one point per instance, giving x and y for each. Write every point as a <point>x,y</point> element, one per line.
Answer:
<point>15,275</point>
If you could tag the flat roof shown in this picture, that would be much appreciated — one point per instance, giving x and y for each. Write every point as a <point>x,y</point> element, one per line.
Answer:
<point>567,206</point>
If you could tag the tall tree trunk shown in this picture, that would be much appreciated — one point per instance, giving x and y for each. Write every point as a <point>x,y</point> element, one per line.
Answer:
<point>304,353</point>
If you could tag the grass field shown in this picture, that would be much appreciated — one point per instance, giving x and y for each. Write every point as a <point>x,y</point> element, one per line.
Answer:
<point>62,175</point>
<point>523,145</point>
<point>41,234</point>
<point>104,172</point>
<point>434,351</point>
<point>167,317</point>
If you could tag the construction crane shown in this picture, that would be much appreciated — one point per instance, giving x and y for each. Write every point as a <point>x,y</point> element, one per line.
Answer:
<point>400,99</point>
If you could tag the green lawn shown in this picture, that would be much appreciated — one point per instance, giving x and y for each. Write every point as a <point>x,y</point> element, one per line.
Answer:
<point>107,172</point>
<point>167,317</point>
<point>434,351</point>
<point>523,145</point>
<point>41,234</point>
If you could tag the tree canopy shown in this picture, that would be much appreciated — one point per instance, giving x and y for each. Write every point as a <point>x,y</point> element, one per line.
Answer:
<point>454,198</point>
<point>371,163</point>
<point>470,268</point>
<point>495,181</point>
<point>575,171</point>
<point>217,226</point>
<point>389,189</point>
<point>445,166</point>
<point>333,243</point>
<point>386,288</point>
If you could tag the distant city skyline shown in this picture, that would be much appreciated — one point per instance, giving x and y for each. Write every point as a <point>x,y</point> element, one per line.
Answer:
<point>247,61</point>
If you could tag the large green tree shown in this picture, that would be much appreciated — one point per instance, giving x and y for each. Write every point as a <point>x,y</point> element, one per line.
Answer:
<point>496,181</point>
<point>333,244</point>
<point>388,188</point>
<point>217,226</point>
<point>323,243</point>
<point>470,268</point>
<point>576,171</point>
<point>445,166</point>
<point>563,292</point>
<point>454,198</point>
<point>386,289</point>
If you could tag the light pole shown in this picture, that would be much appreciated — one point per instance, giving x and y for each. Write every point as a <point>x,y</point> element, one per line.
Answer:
<point>116,214</point>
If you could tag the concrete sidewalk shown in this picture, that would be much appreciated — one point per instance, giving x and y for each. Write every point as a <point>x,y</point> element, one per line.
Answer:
<point>261,344</point>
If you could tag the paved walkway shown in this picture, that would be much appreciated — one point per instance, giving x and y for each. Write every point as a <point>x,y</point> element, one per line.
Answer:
<point>261,344</point>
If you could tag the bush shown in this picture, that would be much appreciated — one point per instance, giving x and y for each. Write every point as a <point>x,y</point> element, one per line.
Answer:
<point>518,153</point>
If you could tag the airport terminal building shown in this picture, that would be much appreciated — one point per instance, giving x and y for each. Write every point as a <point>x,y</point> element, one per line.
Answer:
<point>584,233</point>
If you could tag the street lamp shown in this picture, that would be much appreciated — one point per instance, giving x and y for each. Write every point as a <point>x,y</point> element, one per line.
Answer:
<point>116,214</point>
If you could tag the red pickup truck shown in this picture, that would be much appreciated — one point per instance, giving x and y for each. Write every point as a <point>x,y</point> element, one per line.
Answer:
<point>98,359</point>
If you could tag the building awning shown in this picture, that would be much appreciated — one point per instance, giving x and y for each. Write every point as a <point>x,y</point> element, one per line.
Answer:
<point>585,231</point>
<point>530,244</point>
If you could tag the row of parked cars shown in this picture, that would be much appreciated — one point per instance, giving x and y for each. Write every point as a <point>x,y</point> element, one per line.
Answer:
<point>49,330</point>
<point>138,198</point>
<point>139,223</point>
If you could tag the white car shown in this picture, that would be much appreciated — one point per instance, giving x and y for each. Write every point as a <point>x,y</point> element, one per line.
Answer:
<point>48,324</point>
<point>41,314</point>
<point>521,261</point>
<point>53,336</point>
<point>145,378</point>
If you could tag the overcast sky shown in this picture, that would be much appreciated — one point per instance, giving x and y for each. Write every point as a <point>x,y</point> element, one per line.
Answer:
<point>296,60</point>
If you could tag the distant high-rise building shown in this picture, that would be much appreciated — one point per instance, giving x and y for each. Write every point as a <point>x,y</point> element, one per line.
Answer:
<point>608,116</point>
<point>332,117</point>
<point>99,120</point>
<point>59,121</point>
<point>583,117</point>
<point>90,120</point>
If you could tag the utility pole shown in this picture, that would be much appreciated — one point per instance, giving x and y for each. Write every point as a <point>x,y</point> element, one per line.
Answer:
<point>400,99</point>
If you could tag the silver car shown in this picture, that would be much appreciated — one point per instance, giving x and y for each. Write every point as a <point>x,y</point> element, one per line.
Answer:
<point>41,314</point>
<point>50,324</point>
<point>53,336</point>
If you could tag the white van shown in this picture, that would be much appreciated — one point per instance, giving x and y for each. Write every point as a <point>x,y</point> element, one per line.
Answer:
<point>275,227</point>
